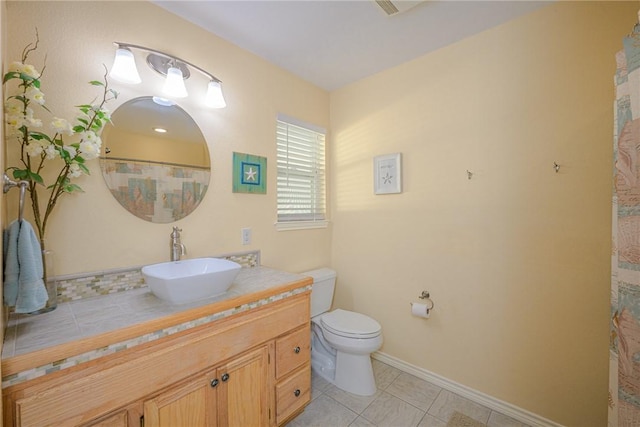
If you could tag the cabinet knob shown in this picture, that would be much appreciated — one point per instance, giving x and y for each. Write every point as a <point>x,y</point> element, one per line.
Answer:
<point>225,377</point>
<point>296,350</point>
<point>297,392</point>
<point>214,382</point>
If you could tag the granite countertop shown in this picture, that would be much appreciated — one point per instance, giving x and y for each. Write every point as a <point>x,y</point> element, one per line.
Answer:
<point>77,320</point>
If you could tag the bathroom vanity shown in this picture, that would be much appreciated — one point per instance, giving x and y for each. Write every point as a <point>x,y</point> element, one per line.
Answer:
<point>238,360</point>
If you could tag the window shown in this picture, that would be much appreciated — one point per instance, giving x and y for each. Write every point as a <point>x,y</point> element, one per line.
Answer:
<point>301,175</point>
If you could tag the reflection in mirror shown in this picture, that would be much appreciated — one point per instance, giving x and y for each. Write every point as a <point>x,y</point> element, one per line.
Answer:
<point>155,160</point>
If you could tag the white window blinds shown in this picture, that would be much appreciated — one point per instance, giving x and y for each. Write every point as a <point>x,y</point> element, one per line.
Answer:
<point>301,172</point>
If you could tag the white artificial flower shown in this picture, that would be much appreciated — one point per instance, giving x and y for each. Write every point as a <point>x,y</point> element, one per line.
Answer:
<point>12,108</point>
<point>31,121</point>
<point>74,170</point>
<point>89,150</point>
<point>15,66</point>
<point>61,126</point>
<point>15,121</point>
<point>35,95</point>
<point>30,71</point>
<point>71,150</point>
<point>51,152</point>
<point>27,69</point>
<point>89,136</point>
<point>33,149</point>
<point>44,143</point>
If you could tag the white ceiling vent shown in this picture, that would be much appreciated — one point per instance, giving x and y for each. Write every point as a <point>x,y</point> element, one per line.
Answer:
<point>397,6</point>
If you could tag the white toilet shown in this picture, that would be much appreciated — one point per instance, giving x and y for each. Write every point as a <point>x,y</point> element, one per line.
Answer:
<point>341,341</point>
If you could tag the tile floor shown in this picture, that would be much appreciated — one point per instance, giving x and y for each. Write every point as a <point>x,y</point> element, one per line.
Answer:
<point>401,400</point>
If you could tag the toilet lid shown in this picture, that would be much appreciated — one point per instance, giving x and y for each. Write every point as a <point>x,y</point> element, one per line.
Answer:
<point>350,324</point>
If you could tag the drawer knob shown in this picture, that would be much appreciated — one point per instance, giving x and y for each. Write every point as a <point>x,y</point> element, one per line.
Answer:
<point>296,350</point>
<point>297,392</point>
<point>225,377</point>
<point>214,382</point>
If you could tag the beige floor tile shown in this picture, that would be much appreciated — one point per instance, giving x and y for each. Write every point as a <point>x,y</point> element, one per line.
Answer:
<point>431,421</point>
<point>500,420</point>
<point>354,402</point>
<point>388,410</point>
<point>361,422</point>
<point>323,411</point>
<point>384,374</point>
<point>400,401</point>
<point>318,385</point>
<point>447,403</point>
<point>411,389</point>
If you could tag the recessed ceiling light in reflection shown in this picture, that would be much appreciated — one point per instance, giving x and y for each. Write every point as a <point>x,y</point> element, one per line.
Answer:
<point>160,130</point>
<point>163,101</point>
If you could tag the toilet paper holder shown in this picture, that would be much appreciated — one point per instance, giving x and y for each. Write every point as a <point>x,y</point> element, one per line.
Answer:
<point>425,295</point>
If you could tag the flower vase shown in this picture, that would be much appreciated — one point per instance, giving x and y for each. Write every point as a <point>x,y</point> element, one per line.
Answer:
<point>49,279</point>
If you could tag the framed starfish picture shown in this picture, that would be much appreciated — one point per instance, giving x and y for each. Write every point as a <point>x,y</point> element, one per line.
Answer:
<point>387,174</point>
<point>249,174</point>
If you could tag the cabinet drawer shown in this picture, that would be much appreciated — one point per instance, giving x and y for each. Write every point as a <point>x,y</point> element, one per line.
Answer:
<point>293,393</point>
<point>292,351</point>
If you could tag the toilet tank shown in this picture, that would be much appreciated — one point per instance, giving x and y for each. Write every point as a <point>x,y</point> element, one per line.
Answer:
<point>324,283</point>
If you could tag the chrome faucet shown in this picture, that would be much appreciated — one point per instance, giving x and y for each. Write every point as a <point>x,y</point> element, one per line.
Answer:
<point>176,246</point>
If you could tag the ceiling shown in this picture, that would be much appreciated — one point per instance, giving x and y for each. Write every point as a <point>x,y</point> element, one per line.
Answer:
<point>332,43</point>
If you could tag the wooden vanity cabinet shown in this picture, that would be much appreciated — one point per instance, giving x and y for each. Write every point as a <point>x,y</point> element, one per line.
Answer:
<point>232,395</point>
<point>127,417</point>
<point>293,373</point>
<point>252,369</point>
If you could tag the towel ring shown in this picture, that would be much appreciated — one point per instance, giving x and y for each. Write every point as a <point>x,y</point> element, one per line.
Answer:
<point>8,184</point>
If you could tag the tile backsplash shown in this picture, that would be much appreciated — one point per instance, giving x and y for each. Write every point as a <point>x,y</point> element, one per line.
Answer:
<point>85,285</point>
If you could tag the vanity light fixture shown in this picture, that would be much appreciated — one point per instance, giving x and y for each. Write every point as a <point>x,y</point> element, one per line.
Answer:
<point>175,69</point>
<point>124,67</point>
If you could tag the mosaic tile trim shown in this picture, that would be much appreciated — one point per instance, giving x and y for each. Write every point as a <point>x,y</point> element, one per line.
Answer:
<point>99,284</point>
<point>69,362</point>
<point>86,285</point>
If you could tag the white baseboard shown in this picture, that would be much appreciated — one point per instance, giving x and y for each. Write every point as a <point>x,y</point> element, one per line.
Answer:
<point>466,392</point>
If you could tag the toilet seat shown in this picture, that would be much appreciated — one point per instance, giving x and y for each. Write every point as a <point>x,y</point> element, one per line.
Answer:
<point>350,324</point>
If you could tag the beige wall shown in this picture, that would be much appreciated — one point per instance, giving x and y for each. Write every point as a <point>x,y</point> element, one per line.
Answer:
<point>91,231</point>
<point>517,259</point>
<point>3,44</point>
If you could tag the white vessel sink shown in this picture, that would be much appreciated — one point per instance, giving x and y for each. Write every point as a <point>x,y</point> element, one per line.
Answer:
<point>188,280</point>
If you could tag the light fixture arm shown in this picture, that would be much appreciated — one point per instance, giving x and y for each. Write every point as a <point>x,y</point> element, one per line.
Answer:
<point>169,57</point>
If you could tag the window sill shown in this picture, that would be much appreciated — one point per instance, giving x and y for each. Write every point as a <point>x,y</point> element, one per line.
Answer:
<point>301,225</point>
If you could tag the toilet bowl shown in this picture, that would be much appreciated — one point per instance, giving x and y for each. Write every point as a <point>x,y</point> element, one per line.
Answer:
<point>342,355</point>
<point>341,341</point>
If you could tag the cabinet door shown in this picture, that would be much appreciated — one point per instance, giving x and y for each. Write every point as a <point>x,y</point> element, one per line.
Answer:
<point>242,394</point>
<point>126,417</point>
<point>192,403</point>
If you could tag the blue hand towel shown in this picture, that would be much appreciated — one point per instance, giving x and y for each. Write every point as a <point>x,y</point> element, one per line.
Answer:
<point>11,266</point>
<point>24,252</point>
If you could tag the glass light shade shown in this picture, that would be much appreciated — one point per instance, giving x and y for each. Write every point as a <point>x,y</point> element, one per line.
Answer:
<point>174,84</point>
<point>214,95</point>
<point>124,67</point>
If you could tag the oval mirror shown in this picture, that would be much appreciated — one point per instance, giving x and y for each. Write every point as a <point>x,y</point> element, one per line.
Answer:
<point>155,160</point>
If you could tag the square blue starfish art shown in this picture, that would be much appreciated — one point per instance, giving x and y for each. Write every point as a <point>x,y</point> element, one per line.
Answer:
<point>249,173</point>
